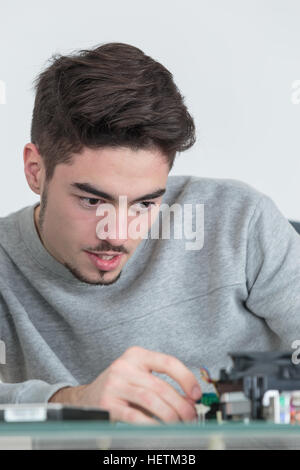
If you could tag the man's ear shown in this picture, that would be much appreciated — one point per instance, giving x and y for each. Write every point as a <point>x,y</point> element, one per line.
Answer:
<point>33,168</point>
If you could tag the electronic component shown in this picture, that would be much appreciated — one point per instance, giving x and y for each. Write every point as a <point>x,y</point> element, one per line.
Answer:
<point>260,385</point>
<point>235,406</point>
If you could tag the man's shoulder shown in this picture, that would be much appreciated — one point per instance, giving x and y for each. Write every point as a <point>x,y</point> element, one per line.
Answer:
<point>11,243</point>
<point>8,223</point>
<point>10,229</point>
<point>190,188</point>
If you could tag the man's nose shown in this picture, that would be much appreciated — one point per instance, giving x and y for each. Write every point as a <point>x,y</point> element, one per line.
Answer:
<point>114,227</point>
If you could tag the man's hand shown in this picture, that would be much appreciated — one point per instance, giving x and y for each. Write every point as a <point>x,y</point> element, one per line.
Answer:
<point>131,393</point>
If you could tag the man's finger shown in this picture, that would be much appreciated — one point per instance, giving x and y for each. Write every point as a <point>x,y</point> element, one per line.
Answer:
<point>166,364</point>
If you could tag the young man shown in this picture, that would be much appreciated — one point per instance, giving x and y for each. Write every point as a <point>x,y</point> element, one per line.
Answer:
<point>129,333</point>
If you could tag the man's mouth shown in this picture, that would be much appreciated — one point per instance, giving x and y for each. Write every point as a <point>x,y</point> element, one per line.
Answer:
<point>105,255</point>
<point>105,261</point>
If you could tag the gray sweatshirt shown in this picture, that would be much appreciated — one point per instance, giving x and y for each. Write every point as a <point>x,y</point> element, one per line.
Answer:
<point>239,291</point>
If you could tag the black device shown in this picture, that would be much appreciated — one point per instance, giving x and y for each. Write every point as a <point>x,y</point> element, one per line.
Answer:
<point>49,412</point>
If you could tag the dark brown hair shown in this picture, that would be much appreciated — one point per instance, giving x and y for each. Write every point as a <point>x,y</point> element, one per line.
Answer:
<point>110,96</point>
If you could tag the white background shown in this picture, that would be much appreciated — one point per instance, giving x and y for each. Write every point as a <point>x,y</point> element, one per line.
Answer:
<point>233,60</point>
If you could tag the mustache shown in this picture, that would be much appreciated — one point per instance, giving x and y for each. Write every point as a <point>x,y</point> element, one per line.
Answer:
<point>107,247</point>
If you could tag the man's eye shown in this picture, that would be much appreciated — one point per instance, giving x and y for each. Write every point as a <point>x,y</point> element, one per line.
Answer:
<point>147,204</point>
<point>140,207</point>
<point>89,201</point>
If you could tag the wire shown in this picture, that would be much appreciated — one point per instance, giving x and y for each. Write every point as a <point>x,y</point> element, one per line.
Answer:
<point>205,375</point>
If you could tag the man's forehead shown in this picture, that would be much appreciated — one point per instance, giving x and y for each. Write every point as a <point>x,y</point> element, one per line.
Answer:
<point>108,179</point>
<point>115,157</point>
<point>117,164</point>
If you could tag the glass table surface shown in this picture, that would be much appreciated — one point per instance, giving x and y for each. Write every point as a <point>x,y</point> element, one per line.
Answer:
<point>104,435</point>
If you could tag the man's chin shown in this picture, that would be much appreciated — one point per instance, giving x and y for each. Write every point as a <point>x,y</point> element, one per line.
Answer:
<point>95,282</point>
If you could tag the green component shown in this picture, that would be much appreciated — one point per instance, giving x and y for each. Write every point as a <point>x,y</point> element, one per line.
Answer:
<point>284,400</point>
<point>208,398</point>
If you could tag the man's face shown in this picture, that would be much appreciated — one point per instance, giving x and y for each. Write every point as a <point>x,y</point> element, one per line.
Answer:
<point>67,219</point>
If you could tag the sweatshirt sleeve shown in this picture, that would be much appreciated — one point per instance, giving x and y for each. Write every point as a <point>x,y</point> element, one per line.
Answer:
<point>273,271</point>
<point>33,390</point>
<point>30,391</point>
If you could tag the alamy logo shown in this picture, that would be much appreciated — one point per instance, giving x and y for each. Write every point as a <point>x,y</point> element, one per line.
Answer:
<point>295,96</point>
<point>2,92</point>
<point>188,223</point>
<point>2,352</point>
<point>295,356</point>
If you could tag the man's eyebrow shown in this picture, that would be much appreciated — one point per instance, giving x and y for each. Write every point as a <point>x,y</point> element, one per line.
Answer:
<point>88,188</point>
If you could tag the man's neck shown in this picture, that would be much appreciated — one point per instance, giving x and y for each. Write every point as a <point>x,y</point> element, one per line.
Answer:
<point>36,220</point>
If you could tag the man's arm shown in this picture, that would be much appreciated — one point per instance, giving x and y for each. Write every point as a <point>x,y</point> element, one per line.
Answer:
<point>30,391</point>
<point>273,270</point>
